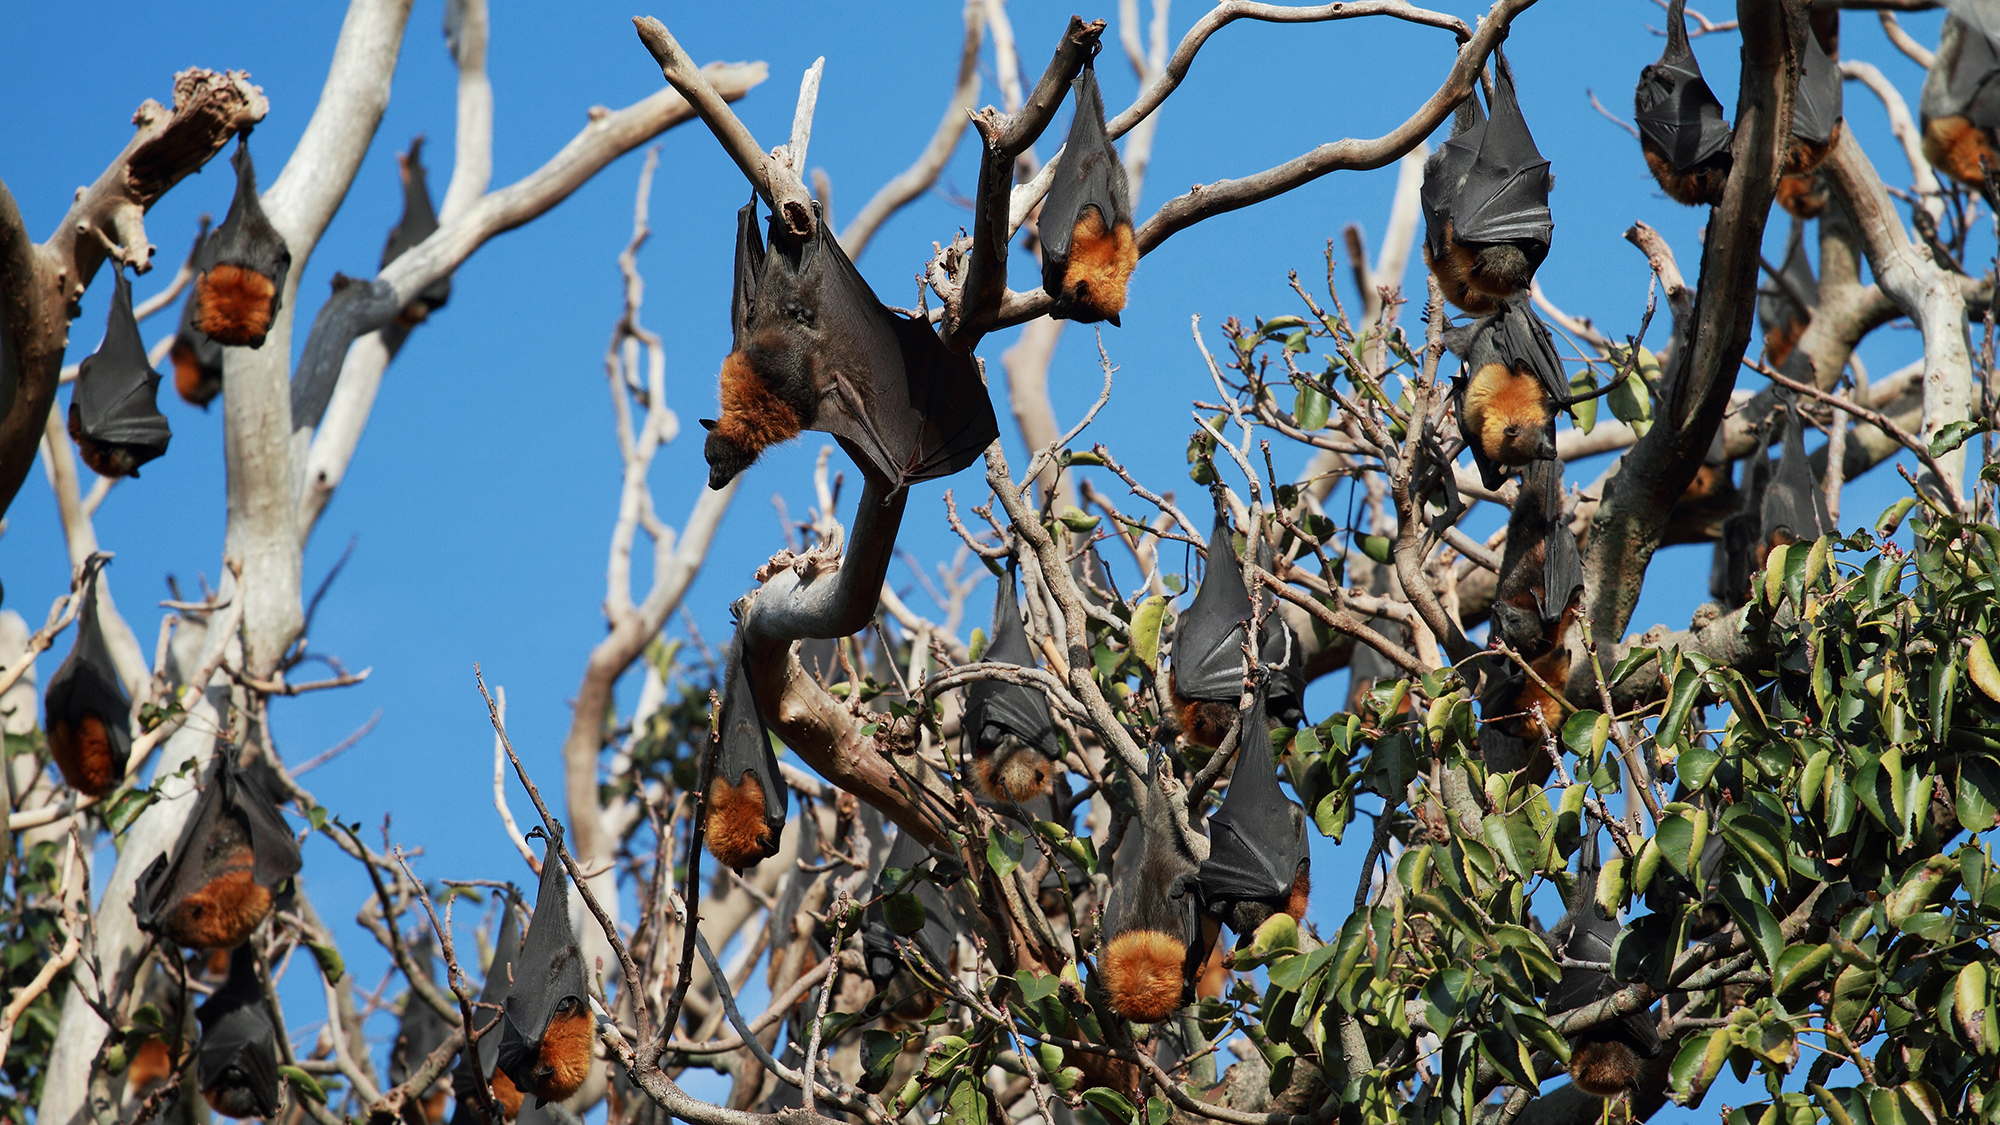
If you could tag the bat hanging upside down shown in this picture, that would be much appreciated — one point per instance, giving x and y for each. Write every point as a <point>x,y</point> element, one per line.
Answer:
<point>242,267</point>
<point>1485,202</point>
<point>746,798</point>
<point>1088,251</point>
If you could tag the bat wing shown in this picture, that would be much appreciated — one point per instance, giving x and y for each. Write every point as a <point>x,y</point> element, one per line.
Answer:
<point>1562,567</point>
<point>421,1029</point>
<point>254,793</point>
<point>246,237</point>
<point>1505,195</point>
<point>1816,109</point>
<point>1278,644</point>
<point>548,971</point>
<point>1019,710</point>
<point>1775,306</point>
<point>749,268</point>
<point>1257,839</point>
<point>1088,175</point>
<point>938,931</point>
<point>1794,502</point>
<point>499,982</point>
<point>238,1048</point>
<point>1208,641</point>
<point>1676,110</point>
<point>1447,169</point>
<point>116,389</point>
<point>1525,340</point>
<point>88,679</point>
<point>1736,552</point>
<point>746,742</point>
<point>419,219</point>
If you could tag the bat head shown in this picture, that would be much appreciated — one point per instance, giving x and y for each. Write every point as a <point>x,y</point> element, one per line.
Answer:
<point>1014,738</point>
<point>237,1058</point>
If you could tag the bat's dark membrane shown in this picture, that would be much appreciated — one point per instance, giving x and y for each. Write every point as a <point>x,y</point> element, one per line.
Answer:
<point>114,410</point>
<point>1013,739</point>
<point>240,282</point>
<point>471,1064</point>
<point>746,798</point>
<point>87,714</point>
<point>1509,388</point>
<point>419,222</point>
<point>815,350</point>
<point>1738,552</point>
<point>1280,649</point>
<point>547,1033</point>
<point>1604,1060</point>
<point>420,1031</point>
<point>1088,252</point>
<point>1816,110</point>
<point>233,862</point>
<point>1485,201</point>
<point>1681,127</point>
<point>1541,580</point>
<point>197,359</point>
<point>908,999</point>
<point>1793,508</point>
<point>237,1060</point>
<point>1257,858</point>
<point>1960,106</point>
<point>1153,944</point>
<point>1206,677</point>
<point>1780,314</point>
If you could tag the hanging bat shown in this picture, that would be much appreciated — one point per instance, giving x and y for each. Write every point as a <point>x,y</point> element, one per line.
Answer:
<point>238,1056</point>
<point>898,991</point>
<point>1280,649</point>
<point>420,1032</point>
<point>1536,602</point>
<point>1154,943</point>
<point>815,350</point>
<point>88,715</point>
<point>1088,252</point>
<point>499,982</point>
<point>114,411</point>
<point>1793,508</point>
<point>1509,388</point>
<point>1603,1060</point>
<point>746,799</point>
<point>1737,552</point>
<point>418,223</point>
<point>1960,105</point>
<point>1485,201</point>
<point>1681,128</point>
<point>1816,111</point>
<point>234,861</point>
<point>197,359</point>
<point>1206,677</point>
<point>547,1033</point>
<point>1779,311</point>
<point>1015,755</point>
<point>1258,862</point>
<point>241,280</point>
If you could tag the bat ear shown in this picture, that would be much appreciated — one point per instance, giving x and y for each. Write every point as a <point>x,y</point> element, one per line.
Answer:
<point>708,423</point>
<point>1113,318</point>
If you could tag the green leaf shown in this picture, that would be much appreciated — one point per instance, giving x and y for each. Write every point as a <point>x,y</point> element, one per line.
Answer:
<point>1080,850</point>
<point>1003,851</point>
<point>1117,1108</point>
<point>1309,408</point>
<point>1147,621</point>
<point>1978,794</point>
<point>1036,987</point>
<point>1687,686</point>
<point>1892,517</point>
<point>329,961</point>
<point>1695,766</point>
<point>1951,435</point>
<point>1746,904</point>
<point>944,1054</point>
<point>1074,519</point>
<point>904,913</point>
<point>123,809</point>
<point>879,1052</point>
<point>1580,384</point>
<point>1798,966</point>
<point>1157,1111</point>
<point>1676,841</point>
<point>304,1083</point>
<point>1279,934</point>
<point>1631,401</point>
<point>1754,839</point>
<point>1918,888</point>
<point>1633,660</point>
<point>1377,547</point>
<point>965,1102</point>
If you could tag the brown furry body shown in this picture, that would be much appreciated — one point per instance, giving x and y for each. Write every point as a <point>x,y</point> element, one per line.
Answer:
<point>194,386</point>
<point>1803,196</point>
<point>1603,1069</point>
<point>564,1059</point>
<point>755,415</point>
<point>1957,147</point>
<point>430,1110</point>
<point>222,913</point>
<point>105,458</point>
<point>233,305</point>
<point>736,832</point>
<point>1779,344</point>
<point>1100,265</point>
<point>151,1063</point>
<point>1013,773</point>
<point>231,1101</point>
<point>1478,277</point>
<point>1803,156</point>
<point>1204,722</point>
<point>1700,187</point>
<point>83,754</point>
<point>1301,895</point>
<point>507,1094</point>
<point>1510,412</point>
<point>1144,974</point>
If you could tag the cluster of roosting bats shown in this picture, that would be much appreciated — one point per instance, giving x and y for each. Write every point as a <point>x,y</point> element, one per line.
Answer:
<point>813,348</point>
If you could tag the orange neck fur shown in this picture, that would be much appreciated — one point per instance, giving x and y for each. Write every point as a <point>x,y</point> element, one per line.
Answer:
<point>1100,264</point>
<point>736,832</point>
<point>752,416</point>
<point>233,305</point>
<point>564,1058</point>
<point>1144,974</point>
<point>83,754</point>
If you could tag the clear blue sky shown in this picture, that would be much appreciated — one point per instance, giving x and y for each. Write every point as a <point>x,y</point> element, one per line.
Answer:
<point>484,491</point>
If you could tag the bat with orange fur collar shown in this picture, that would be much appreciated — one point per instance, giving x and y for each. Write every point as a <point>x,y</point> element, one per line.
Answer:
<point>1509,389</point>
<point>1154,941</point>
<point>1088,251</point>
<point>240,283</point>
<point>547,1032</point>
<point>87,714</point>
<point>1206,677</point>
<point>114,411</point>
<point>237,1059</point>
<point>493,994</point>
<point>1681,128</point>
<point>746,796</point>
<point>1012,736</point>
<point>233,863</point>
<point>1485,202</point>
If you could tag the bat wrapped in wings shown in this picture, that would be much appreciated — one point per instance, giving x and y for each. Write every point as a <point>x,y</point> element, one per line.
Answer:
<point>1960,106</point>
<point>1816,124</point>
<point>1603,1060</point>
<point>746,798</point>
<point>420,1031</point>
<point>1535,603</point>
<point>1205,679</point>
<point>234,861</point>
<point>480,1061</point>
<point>1012,736</point>
<point>1793,508</point>
<point>88,716</point>
<point>1280,650</point>
<point>237,1059</point>
<point>1154,940</point>
<point>1785,305</point>
<point>1509,389</point>
<point>114,411</point>
<point>1485,202</point>
<point>240,280</point>
<point>1257,861</point>
<point>419,222</point>
<point>1088,253</point>
<point>197,359</point>
<point>815,350</point>
<point>1739,550</point>
<point>934,939</point>
<point>1681,127</point>
<point>546,1031</point>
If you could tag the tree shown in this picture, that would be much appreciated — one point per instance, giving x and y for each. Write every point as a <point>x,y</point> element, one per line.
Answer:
<point>1040,871</point>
